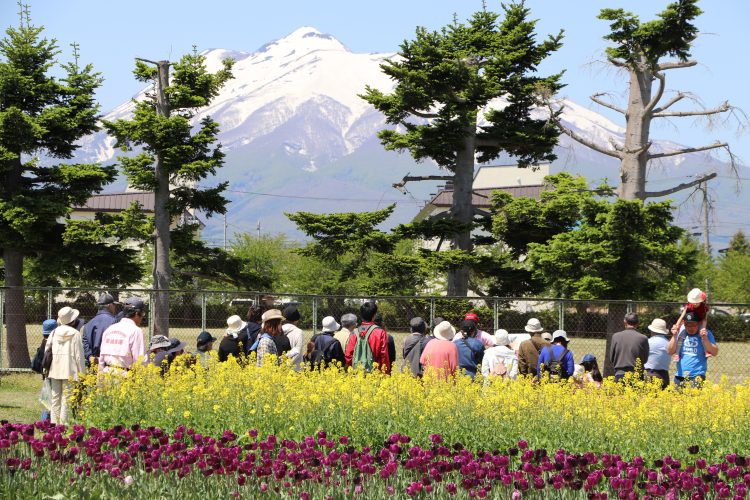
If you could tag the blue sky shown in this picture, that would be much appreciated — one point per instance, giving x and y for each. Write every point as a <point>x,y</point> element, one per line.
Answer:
<point>111,33</point>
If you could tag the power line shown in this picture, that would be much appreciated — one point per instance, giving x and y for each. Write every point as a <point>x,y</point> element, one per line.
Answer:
<point>324,198</point>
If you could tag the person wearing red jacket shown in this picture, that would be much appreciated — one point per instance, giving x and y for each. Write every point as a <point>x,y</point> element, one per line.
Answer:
<point>378,339</point>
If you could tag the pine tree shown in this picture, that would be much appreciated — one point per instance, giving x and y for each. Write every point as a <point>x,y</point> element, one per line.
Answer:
<point>642,49</point>
<point>40,114</point>
<point>445,83</point>
<point>173,158</point>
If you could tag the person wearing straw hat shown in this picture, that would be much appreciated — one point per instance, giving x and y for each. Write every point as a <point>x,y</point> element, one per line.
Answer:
<point>269,328</point>
<point>235,339</point>
<point>528,351</point>
<point>123,343</point>
<point>440,355</point>
<point>66,346</point>
<point>657,365</point>
<point>501,360</point>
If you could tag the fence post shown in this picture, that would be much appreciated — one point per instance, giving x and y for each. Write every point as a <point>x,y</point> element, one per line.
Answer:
<point>432,311</point>
<point>315,315</point>
<point>49,303</point>
<point>151,316</point>
<point>630,306</point>
<point>561,314</point>
<point>203,311</point>
<point>2,322</point>
<point>494,314</point>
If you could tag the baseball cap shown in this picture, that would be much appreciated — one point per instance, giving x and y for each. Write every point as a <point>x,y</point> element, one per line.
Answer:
<point>588,358</point>
<point>472,316</point>
<point>48,325</point>
<point>135,303</point>
<point>204,338</point>
<point>105,299</point>
<point>691,317</point>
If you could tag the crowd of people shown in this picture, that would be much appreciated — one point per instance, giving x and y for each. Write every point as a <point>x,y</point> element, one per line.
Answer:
<point>114,342</point>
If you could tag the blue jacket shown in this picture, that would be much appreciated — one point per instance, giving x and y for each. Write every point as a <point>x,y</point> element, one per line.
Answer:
<point>92,333</point>
<point>470,354</point>
<point>557,350</point>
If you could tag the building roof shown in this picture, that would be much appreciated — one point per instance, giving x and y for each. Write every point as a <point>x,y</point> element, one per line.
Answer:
<point>117,202</point>
<point>481,198</point>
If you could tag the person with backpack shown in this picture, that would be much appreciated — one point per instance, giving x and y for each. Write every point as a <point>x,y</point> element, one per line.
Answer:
<point>378,320</point>
<point>48,326</point>
<point>326,349</point>
<point>295,336</point>
<point>369,344</point>
<point>501,360</point>
<point>529,350</point>
<point>414,344</point>
<point>470,348</point>
<point>254,313</point>
<point>235,339</point>
<point>556,361</point>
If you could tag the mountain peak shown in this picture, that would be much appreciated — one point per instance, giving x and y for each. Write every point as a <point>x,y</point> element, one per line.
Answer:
<point>305,39</point>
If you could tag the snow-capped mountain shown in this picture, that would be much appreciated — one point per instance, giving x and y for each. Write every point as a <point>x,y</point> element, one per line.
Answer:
<point>298,137</point>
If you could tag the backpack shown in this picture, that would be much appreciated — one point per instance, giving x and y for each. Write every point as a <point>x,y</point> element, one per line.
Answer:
<point>555,366</point>
<point>321,356</point>
<point>36,363</point>
<point>362,351</point>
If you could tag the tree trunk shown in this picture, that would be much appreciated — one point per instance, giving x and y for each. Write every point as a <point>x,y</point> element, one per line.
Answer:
<point>15,312</point>
<point>462,210</point>
<point>638,124</point>
<point>162,271</point>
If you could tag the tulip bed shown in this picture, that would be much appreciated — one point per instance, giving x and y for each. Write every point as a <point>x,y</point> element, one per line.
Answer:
<point>44,459</point>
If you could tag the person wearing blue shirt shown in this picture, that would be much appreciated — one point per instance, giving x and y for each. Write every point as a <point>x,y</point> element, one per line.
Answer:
<point>692,346</point>
<point>92,333</point>
<point>558,351</point>
<point>657,365</point>
<point>470,349</point>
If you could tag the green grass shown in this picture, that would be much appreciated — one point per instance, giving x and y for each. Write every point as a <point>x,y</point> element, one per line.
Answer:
<point>18,397</point>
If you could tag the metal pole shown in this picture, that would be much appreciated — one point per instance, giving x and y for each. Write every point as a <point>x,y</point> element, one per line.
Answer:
<point>432,311</point>
<point>494,314</point>
<point>561,314</point>
<point>2,323</point>
<point>203,311</point>
<point>151,316</point>
<point>315,315</point>
<point>49,303</point>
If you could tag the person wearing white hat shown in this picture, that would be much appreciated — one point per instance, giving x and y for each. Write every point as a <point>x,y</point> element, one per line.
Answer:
<point>501,360</point>
<point>441,355</point>
<point>65,344</point>
<point>528,351</point>
<point>657,365</point>
<point>235,340</point>
<point>556,360</point>
<point>270,328</point>
<point>326,348</point>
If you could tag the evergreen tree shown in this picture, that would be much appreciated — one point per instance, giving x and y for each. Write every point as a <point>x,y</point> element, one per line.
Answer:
<point>739,244</point>
<point>40,114</point>
<point>731,283</point>
<point>445,84</point>
<point>173,158</point>
<point>642,49</point>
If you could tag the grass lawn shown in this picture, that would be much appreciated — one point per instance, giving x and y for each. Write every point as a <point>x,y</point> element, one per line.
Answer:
<point>19,391</point>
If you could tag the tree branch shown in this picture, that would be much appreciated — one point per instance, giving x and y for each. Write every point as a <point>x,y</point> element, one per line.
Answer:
<point>676,152</point>
<point>586,142</point>
<point>660,92</point>
<point>669,103</point>
<point>618,62</point>
<point>147,61</point>
<point>422,115</point>
<point>412,178</point>
<point>606,104</point>
<point>725,106</point>
<point>676,65</point>
<point>679,187</point>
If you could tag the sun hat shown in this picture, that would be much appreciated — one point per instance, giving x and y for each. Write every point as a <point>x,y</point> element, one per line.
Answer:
<point>330,325</point>
<point>290,313</point>
<point>48,326</point>
<point>159,342</point>
<point>588,358</point>
<point>67,315</point>
<point>204,338</point>
<point>502,337</point>
<point>472,316</point>
<point>517,338</point>
<point>235,325</point>
<point>533,326</point>
<point>560,334</point>
<point>444,331</point>
<point>696,296</point>
<point>175,345</point>
<point>547,336</point>
<point>658,325</point>
<point>271,314</point>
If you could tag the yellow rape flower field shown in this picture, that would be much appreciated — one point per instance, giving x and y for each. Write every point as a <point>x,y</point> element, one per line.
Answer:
<point>635,419</point>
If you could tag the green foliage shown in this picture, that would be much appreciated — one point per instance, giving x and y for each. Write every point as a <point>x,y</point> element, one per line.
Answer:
<point>731,283</point>
<point>449,76</point>
<point>739,244</point>
<point>672,34</point>
<point>42,114</point>
<point>620,250</point>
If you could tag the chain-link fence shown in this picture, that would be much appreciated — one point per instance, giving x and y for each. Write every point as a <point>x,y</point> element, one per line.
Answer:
<point>191,311</point>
